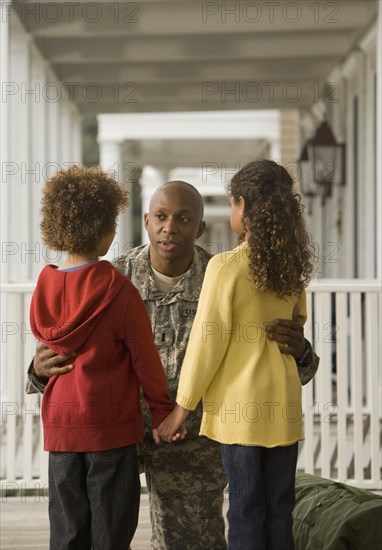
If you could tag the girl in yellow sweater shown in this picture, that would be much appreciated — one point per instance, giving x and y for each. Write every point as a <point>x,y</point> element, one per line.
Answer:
<point>251,391</point>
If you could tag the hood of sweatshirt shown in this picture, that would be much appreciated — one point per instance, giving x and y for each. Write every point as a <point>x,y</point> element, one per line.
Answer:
<point>66,305</point>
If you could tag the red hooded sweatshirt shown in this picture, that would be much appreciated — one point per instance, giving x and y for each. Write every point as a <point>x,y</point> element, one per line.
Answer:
<point>98,313</point>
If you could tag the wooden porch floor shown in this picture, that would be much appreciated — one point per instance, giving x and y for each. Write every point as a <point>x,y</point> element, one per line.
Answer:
<point>25,525</point>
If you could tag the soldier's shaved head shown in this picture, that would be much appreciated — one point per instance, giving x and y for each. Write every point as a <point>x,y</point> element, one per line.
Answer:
<point>193,199</point>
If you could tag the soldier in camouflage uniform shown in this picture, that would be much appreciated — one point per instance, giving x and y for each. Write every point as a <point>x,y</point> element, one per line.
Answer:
<point>185,480</point>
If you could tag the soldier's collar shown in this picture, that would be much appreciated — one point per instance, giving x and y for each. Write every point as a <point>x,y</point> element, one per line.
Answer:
<point>188,288</point>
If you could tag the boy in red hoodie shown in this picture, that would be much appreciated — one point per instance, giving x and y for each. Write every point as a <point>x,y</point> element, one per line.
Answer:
<point>92,417</point>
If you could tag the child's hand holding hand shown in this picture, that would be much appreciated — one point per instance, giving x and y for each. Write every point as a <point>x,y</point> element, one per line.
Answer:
<point>170,429</point>
<point>180,434</point>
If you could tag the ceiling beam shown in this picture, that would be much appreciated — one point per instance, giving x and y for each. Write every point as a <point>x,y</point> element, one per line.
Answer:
<point>194,72</point>
<point>174,49</point>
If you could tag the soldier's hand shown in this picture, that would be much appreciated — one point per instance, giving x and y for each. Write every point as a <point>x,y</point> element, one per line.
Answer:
<point>156,437</point>
<point>46,363</point>
<point>288,334</point>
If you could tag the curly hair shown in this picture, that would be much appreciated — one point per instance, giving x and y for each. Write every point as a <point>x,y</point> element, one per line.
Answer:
<point>80,206</point>
<point>279,243</point>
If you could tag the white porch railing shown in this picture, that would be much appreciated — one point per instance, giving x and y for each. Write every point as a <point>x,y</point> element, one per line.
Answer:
<point>342,406</point>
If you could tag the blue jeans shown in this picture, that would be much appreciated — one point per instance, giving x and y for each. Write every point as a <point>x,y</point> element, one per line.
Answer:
<point>261,496</point>
<point>93,499</point>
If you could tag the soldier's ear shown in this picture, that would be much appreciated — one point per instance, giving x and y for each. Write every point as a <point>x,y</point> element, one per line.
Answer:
<point>146,219</point>
<point>201,229</point>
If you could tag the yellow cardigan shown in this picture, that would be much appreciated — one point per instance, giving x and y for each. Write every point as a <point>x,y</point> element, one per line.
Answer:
<point>251,392</point>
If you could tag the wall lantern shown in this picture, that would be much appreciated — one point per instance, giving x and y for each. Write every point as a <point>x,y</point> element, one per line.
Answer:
<point>327,158</point>
<point>322,164</point>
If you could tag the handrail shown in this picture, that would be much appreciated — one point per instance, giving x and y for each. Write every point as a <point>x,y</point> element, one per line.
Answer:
<point>316,285</point>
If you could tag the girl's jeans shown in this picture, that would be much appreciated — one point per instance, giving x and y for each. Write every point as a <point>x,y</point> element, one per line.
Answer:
<point>261,496</point>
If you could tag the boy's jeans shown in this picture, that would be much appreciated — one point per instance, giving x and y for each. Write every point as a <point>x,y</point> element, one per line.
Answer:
<point>93,499</point>
<point>261,496</point>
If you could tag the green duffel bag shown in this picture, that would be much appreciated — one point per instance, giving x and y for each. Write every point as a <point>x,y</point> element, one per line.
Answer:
<point>333,516</point>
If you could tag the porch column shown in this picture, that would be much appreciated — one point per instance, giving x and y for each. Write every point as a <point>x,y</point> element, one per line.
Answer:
<point>379,143</point>
<point>111,161</point>
<point>275,151</point>
<point>151,179</point>
<point>4,145</point>
<point>19,154</point>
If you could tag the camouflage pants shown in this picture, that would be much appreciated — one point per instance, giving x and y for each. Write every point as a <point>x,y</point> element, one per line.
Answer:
<point>185,482</point>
